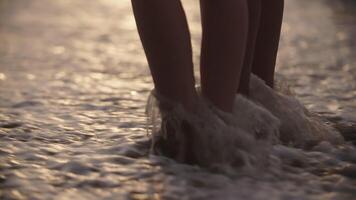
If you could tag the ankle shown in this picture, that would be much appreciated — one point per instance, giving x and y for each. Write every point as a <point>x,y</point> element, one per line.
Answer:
<point>168,99</point>
<point>190,101</point>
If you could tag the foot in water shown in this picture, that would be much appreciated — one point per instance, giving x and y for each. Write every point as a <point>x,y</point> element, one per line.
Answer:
<point>211,138</point>
<point>252,118</point>
<point>299,127</point>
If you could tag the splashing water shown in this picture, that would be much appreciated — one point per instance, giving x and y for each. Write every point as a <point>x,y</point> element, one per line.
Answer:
<point>261,140</point>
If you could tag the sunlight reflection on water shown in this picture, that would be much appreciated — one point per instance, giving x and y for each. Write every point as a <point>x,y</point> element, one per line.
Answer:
<point>74,83</point>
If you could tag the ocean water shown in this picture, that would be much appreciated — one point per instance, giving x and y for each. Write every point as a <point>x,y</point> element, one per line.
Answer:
<point>73,91</point>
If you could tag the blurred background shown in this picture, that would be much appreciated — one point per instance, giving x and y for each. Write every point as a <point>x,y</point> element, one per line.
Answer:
<point>93,40</point>
<point>74,82</point>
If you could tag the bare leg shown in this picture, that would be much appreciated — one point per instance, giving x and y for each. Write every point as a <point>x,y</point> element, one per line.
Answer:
<point>225,24</point>
<point>267,40</point>
<point>164,33</point>
<point>254,9</point>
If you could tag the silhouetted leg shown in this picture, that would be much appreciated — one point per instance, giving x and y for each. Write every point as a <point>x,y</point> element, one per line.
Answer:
<point>225,24</point>
<point>254,9</point>
<point>267,40</point>
<point>164,33</point>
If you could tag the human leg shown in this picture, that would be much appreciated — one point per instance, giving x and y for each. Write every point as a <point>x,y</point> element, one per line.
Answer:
<point>267,41</point>
<point>164,33</point>
<point>225,24</point>
<point>254,9</point>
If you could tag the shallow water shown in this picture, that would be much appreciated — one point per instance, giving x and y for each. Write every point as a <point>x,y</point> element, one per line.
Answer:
<point>74,84</point>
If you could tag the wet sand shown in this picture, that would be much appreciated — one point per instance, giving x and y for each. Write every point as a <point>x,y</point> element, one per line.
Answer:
<point>73,89</point>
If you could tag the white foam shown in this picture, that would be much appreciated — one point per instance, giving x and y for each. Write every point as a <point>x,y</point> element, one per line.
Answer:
<point>253,136</point>
<point>299,127</point>
<point>221,140</point>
